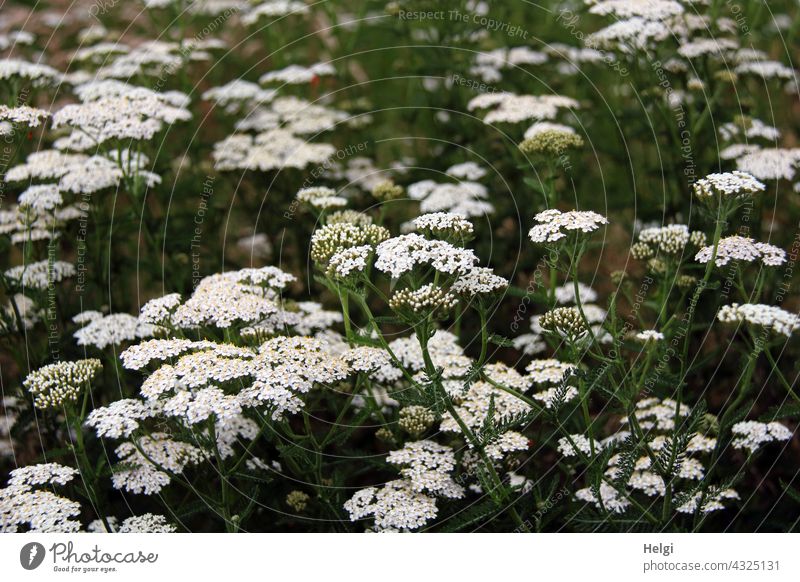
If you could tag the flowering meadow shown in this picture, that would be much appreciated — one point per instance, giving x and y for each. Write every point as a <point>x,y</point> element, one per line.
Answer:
<point>416,266</point>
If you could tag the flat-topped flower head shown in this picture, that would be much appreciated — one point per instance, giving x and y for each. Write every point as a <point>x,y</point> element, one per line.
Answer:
<point>399,255</point>
<point>274,149</point>
<point>765,69</point>
<point>349,216</point>
<point>479,281</point>
<point>395,506</point>
<point>427,466</point>
<point>139,114</point>
<point>714,47</point>
<point>466,198</point>
<point>648,336</point>
<point>23,508</point>
<point>349,262</point>
<point>629,35</point>
<point>546,126</point>
<point>552,142</point>
<point>752,435</point>
<point>321,197</point>
<point>239,95</point>
<point>23,115</point>
<point>565,294</point>
<point>40,275</point>
<point>671,240</point>
<point>579,444</point>
<point>410,502</point>
<point>376,362</point>
<point>386,191</point>
<point>332,238</point>
<point>555,225</point>
<point>113,329</point>
<point>748,128</point>
<point>247,296</point>
<point>736,185</point>
<point>511,108</point>
<point>41,197</point>
<point>42,474</point>
<point>649,9</point>
<point>771,164</point>
<point>159,311</point>
<point>641,251</point>
<point>146,523</point>
<point>548,371</point>
<point>140,470</point>
<point>713,501</point>
<point>120,418</point>
<point>739,248</point>
<point>36,73</point>
<point>766,317</point>
<point>55,385</point>
<point>474,405</point>
<point>296,74</point>
<point>466,171</point>
<point>445,225</point>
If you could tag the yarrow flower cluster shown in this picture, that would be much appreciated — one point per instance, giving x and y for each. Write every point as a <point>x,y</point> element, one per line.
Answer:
<point>55,385</point>
<point>669,240</point>
<point>415,420</point>
<point>395,506</point>
<point>41,197</point>
<point>728,185</point>
<point>445,225</point>
<point>565,294</point>
<point>479,281</point>
<point>120,418</point>
<point>564,321</point>
<point>42,474</point>
<point>569,447</point>
<point>24,115</point>
<point>247,296</point>
<point>770,164</point>
<point>387,191</point>
<point>41,274</point>
<point>752,435</point>
<point>556,225</point>
<point>399,255</point>
<point>426,299</point>
<point>24,507</point>
<point>551,142</point>
<point>658,419</point>
<point>409,503</point>
<point>146,523</point>
<point>113,329</point>
<point>739,248</point>
<point>147,463</point>
<point>767,317</point>
<point>349,261</point>
<point>466,198</point>
<point>511,108</point>
<point>373,361</point>
<point>649,336</point>
<point>333,238</point>
<point>321,197</point>
<point>548,371</point>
